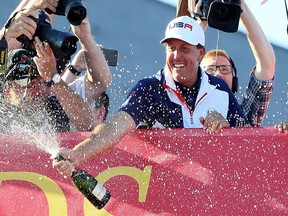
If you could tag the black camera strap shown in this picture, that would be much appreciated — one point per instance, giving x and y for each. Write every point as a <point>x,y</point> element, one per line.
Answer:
<point>197,16</point>
<point>286,13</point>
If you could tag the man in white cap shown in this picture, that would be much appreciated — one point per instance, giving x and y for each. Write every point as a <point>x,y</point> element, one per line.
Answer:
<point>179,96</point>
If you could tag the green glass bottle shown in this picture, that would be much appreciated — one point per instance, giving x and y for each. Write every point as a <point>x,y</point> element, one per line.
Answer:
<point>96,193</point>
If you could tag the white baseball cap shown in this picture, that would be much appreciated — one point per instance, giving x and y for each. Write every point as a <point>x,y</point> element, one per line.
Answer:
<point>186,29</point>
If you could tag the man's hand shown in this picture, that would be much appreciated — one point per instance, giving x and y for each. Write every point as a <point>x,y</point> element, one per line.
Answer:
<point>45,59</point>
<point>22,24</point>
<point>214,122</point>
<point>43,4</point>
<point>282,127</point>
<point>83,31</point>
<point>190,8</point>
<point>65,167</point>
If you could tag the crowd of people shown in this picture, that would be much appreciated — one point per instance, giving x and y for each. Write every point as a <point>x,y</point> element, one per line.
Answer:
<point>195,88</point>
<point>33,85</point>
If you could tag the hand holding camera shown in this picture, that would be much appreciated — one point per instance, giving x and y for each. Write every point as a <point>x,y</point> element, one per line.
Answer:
<point>220,14</point>
<point>74,11</point>
<point>63,44</point>
<point>20,23</point>
<point>37,23</point>
<point>43,4</point>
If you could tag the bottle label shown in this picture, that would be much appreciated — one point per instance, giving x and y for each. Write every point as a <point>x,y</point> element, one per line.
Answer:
<point>99,191</point>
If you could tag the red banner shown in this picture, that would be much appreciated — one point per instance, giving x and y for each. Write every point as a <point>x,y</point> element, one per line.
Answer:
<point>155,172</point>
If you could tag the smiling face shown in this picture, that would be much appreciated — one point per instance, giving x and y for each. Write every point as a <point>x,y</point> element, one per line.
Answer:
<point>221,64</point>
<point>183,60</point>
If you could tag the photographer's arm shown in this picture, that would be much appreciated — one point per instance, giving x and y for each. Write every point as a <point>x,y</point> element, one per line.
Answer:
<point>25,24</point>
<point>98,73</point>
<point>79,65</point>
<point>76,109</point>
<point>260,46</point>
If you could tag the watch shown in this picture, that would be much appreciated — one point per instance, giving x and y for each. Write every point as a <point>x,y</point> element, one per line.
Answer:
<point>55,79</point>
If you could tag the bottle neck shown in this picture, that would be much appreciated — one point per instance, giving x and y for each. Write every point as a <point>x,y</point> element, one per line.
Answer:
<point>75,171</point>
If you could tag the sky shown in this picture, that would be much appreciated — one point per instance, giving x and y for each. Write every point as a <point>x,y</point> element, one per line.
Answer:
<point>271,16</point>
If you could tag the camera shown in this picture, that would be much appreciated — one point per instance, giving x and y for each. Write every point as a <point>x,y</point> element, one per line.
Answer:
<point>222,14</point>
<point>63,44</point>
<point>74,11</point>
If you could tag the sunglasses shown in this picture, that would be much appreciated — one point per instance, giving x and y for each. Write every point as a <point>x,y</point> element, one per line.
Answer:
<point>23,73</point>
<point>102,101</point>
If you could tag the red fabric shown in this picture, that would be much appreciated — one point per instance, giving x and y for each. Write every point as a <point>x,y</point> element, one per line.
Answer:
<point>236,172</point>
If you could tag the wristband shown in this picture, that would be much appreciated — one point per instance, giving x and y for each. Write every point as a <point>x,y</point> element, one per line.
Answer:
<point>73,70</point>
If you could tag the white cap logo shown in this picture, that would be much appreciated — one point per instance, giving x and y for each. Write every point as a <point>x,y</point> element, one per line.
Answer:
<point>186,29</point>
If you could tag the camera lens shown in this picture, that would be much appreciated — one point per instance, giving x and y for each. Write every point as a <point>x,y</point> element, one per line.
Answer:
<point>68,46</point>
<point>223,13</point>
<point>75,12</point>
<point>224,16</point>
<point>76,15</point>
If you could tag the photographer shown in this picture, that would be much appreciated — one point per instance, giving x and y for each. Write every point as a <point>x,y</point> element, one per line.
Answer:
<point>27,93</point>
<point>97,78</point>
<point>68,108</point>
<point>261,82</point>
<point>80,80</point>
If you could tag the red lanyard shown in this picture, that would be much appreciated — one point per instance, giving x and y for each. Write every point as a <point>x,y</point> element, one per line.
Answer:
<point>181,98</point>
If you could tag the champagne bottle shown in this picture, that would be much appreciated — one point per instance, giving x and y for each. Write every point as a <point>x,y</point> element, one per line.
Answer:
<point>96,193</point>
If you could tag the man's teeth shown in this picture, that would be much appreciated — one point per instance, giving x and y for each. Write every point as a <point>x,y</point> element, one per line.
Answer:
<point>179,65</point>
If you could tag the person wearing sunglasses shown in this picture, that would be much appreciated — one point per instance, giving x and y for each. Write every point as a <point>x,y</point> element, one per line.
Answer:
<point>261,82</point>
<point>25,90</point>
<point>101,109</point>
<point>80,79</point>
<point>88,74</point>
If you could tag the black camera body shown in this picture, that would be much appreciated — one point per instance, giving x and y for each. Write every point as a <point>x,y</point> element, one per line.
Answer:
<point>63,44</point>
<point>222,14</point>
<point>74,11</point>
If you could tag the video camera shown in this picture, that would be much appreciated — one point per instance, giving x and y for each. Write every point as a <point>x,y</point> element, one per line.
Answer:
<point>222,14</point>
<point>74,11</point>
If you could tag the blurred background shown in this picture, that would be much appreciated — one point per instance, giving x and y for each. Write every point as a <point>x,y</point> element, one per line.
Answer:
<point>135,27</point>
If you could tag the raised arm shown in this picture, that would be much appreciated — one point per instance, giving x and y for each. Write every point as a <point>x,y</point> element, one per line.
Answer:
<point>98,73</point>
<point>260,46</point>
<point>76,109</point>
